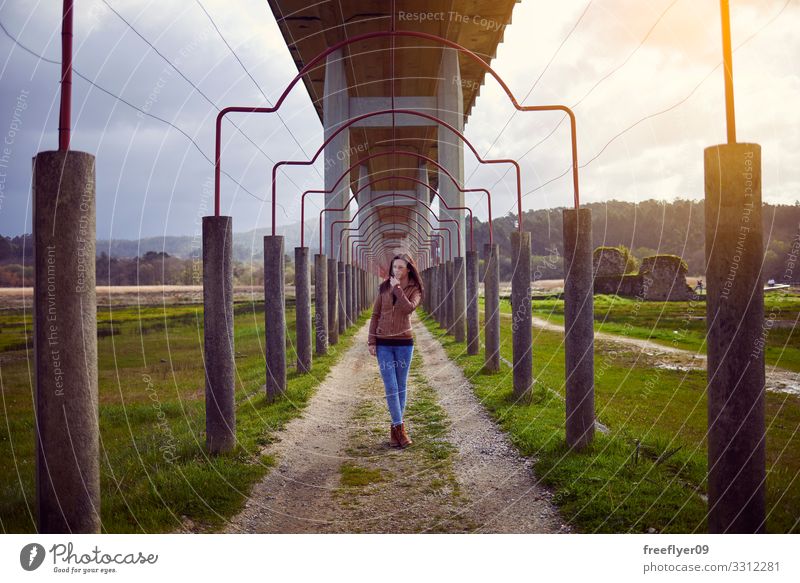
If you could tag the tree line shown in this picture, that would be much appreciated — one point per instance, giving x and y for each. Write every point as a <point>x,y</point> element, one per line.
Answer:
<point>646,228</point>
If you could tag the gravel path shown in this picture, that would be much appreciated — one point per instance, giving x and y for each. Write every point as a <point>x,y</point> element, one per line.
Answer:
<point>336,473</point>
<point>503,492</point>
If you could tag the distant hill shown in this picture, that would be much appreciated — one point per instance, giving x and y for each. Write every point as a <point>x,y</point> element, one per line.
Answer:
<point>646,228</point>
<point>246,245</point>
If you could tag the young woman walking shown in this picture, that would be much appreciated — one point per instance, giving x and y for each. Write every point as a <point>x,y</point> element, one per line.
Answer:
<point>391,340</point>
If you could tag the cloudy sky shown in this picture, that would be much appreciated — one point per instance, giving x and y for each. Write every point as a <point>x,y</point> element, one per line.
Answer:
<point>644,78</point>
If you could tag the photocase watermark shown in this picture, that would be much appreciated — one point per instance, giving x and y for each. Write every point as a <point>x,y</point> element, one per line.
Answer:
<point>769,322</point>
<point>196,248</point>
<point>52,332</point>
<point>31,556</point>
<point>548,262</point>
<point>344,155</point>
<point>170,446</point>
<point>66,560</point>
<point>7,150</point>
<point>489,24</point>
<point>86,236</point>
<point>792,259</point>
<point>744,225</point>
<point>470,84</point>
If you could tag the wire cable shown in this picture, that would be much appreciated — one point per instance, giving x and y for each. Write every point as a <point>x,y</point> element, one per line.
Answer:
<point>264,95</point>
<point>195,87</point>
<point>129,104</point>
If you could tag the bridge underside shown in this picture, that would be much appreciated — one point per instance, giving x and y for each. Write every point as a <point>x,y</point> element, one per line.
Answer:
<point>393,72</point>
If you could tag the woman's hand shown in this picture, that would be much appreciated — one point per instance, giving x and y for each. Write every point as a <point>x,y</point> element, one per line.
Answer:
<point>393,281</point>
<point>372,349</point>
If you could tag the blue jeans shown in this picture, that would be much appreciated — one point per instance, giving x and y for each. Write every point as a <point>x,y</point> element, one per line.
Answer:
<point>394,362</point>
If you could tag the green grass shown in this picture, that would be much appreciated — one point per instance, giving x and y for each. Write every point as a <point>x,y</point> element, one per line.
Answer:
<point>430,422</point>
<point>683,324</point>
<point>615,485</point>
<point>154,467</point>
<point>353,476</point>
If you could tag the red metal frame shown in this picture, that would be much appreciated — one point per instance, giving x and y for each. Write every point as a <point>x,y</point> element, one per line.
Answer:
<point>392,34</point>
<point>458,227</point>
<point>65,113</point>
<point>375,211</point>
<point>346,125</point>
<point>358,245</point>
<point>354,239</point>
<point>353,197</point>
<point>392,153</point>
<point>417,247</point>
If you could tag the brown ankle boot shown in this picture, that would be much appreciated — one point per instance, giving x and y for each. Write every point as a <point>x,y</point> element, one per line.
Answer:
<point>393,440</point>
<point>402,436</point>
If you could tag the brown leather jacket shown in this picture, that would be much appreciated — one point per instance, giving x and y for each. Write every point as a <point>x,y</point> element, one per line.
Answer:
<point>394,320</point>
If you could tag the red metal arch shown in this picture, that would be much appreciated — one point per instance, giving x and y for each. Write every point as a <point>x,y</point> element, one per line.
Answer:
<point>458,226</point>
<point>395,33</point>
<point>384,178</point>
<point>393,153</point>
<point>376,210</point>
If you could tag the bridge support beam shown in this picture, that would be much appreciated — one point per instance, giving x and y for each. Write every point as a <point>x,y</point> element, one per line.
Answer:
<point>450,103</point>
<point>336,111</point>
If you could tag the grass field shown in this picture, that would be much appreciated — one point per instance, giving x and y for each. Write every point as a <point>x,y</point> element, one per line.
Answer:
<point>155,474</point>
<point>649,471</point>
<point>683,324</point>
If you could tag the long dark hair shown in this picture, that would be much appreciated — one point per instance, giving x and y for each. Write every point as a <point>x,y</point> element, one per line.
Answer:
<point>413,274</point>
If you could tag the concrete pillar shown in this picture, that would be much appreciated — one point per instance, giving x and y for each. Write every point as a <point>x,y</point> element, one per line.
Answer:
<point>579,327</point>
<point>426,284</point>
<point>442,293</point>
<point>302,287</point>
<point>491,307</point>
<point>432,291</point>
<point>459,299</point>
<point>449,300</point>
<point>735,320</point>
<point>473,321</point>
<point>335,112</point>
<point>333,298</point>
<point>423,192</point>
<point>450,103</point>
<point>274,317</point>
<point>320,304</point>
<point>356,292</point>
<point>65,344</point>
<point>342,299</point>
<point>521,317</point>
<point>427,297</point>
<point>218,334</point>
<point>348,274</point>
